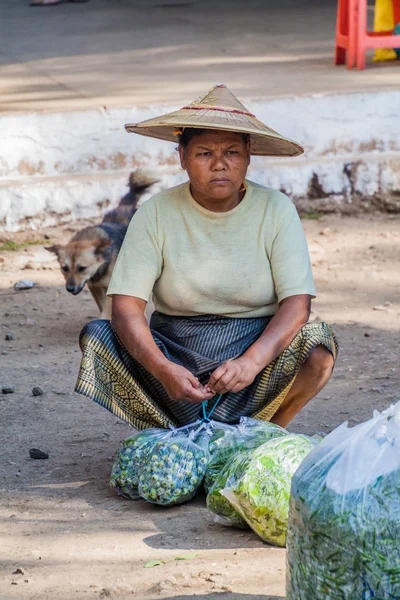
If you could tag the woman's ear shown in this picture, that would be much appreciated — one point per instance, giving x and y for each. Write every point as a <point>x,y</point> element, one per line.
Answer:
<point>181,151</point>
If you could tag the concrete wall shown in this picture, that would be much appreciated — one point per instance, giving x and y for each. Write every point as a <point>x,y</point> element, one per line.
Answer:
<point>59,167</point>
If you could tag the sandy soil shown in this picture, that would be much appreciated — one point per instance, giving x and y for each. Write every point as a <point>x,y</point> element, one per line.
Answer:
<point>63,528</point>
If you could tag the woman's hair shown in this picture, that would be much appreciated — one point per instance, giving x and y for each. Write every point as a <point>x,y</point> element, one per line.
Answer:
<point>190,132</point>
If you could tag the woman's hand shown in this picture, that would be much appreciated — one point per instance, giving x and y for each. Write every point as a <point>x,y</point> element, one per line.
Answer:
<point>232,376</point>
<point>181,385</point>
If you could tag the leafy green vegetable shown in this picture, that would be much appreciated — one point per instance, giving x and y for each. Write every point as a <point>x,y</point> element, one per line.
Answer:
<point>344,521</point>
<point>216,502</point>
<point>261,492</point>
<point>154,563</point>
<point>249,434</point>
<point>158,563</point>
<point>216,433</point>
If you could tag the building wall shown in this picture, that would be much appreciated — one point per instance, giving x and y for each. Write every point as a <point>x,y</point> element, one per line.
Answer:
<point>59,167</point>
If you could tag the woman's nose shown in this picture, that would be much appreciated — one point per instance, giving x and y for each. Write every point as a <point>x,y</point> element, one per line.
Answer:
<point>219,162</point>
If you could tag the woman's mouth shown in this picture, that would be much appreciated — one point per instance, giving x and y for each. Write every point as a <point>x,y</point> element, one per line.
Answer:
<point>220,181</point>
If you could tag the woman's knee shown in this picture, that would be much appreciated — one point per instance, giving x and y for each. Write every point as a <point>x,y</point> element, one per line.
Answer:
<point>95,329</point>
<point>320,362</point>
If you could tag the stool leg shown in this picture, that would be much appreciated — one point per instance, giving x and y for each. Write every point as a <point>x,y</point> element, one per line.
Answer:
<point>341,29</point>
<point>340,55</point>
<point>352,39</point>
<point>362,25</point>
<point>396,11</point>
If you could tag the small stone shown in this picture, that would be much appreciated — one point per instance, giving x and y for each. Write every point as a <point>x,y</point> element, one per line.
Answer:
<point>380,307</point>
<point>367,335</point>
<point>18,572</point>
<point>37,454</point>
<point>37,391</point>
<point>30,266</point>
<point>9,336</point>
<point>24,284</point>
<point>8,389</point>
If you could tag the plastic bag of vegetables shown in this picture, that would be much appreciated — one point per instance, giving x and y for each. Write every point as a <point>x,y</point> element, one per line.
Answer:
<point>261,491</point>
<point>249,434</point>
<point>175,466</point>
<point>344,525</point>
<point>125,471</point>
<point>225,513</point>
<point>216,433</point>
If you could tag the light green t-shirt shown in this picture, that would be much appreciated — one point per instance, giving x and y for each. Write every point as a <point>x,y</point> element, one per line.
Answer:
<point>239,263</point>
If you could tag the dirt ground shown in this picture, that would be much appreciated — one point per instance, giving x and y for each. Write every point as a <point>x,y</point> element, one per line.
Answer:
<point>65,534</point>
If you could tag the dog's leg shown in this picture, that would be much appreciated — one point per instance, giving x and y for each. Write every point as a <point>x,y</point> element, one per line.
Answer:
<point>97,294</point>
<point>106,310</point>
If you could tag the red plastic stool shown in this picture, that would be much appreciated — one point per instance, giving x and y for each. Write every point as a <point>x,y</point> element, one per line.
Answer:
<point>367,40</point>
<point>353,37</point>
<point>346,32</point>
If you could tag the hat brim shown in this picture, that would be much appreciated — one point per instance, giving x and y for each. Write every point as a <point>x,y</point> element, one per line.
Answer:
<point>264,140</point>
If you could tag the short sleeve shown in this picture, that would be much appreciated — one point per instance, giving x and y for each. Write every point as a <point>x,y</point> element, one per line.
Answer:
<point>289,256</point>
<point>139,261</point>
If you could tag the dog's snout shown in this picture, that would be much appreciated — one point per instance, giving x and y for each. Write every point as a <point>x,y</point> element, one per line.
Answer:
<point>73,289</point>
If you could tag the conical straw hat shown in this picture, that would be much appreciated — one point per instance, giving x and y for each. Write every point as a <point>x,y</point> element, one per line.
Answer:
<point>219,109</point>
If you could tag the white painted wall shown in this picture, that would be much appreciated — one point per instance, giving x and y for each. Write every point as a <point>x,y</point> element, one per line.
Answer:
<point>59,167</point>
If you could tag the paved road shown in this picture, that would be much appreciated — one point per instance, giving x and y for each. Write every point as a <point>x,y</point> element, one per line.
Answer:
<point>139,52</point>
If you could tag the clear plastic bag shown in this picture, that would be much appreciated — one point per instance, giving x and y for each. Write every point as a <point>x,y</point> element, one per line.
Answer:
<point>249,434</point>
<point>260,491</point>
<point>125,471</point>
<point>174,468</point>
<point>344,523</point>
<point>225,513</point>
<point>216,433</point>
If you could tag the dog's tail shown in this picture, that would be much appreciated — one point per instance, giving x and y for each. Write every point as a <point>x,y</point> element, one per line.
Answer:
<point>138,183</point>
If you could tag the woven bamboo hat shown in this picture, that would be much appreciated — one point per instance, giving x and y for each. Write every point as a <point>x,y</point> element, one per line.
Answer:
<point>219,109</point>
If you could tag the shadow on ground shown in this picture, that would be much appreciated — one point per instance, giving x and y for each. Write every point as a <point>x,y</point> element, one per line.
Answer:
<point>226,596</point>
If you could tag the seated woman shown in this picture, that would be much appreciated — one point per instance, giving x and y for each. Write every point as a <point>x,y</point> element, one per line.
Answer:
<point>227,265</point>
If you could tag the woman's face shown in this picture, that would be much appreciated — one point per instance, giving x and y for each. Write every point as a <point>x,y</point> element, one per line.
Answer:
<point>216,163</point>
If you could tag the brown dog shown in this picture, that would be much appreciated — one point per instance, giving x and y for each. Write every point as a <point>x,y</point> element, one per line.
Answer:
<point>90,256</point>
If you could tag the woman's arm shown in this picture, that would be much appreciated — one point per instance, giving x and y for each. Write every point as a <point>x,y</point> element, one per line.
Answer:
<point>130,324</point>
<point>292,314</point>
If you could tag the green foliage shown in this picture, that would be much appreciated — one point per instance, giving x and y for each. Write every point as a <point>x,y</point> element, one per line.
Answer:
<point>344,543</point>
<point>261,493</point>
<point>312,215</point>
<point>250,434</point>
<point>12,246</point>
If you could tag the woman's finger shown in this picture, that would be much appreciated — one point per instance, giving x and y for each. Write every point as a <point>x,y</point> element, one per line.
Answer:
<point>216,375</point>
<point>198,396</point>
<point>225,383</point>
<point>195,382</point>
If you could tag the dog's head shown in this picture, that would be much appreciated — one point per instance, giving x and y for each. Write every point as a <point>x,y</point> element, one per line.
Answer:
<point>80,261</point>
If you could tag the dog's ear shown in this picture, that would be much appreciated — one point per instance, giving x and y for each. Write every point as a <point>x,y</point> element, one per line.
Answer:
<point>101,245</point>
<point>54,249</point>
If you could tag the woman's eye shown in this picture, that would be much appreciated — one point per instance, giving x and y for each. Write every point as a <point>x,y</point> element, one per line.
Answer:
<point>232,152</point>
<point>204,154</point>
<point>81,269</point>
<point>65,268</point>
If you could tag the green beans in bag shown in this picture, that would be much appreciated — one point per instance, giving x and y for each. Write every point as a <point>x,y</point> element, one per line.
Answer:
<point>344,523</point>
